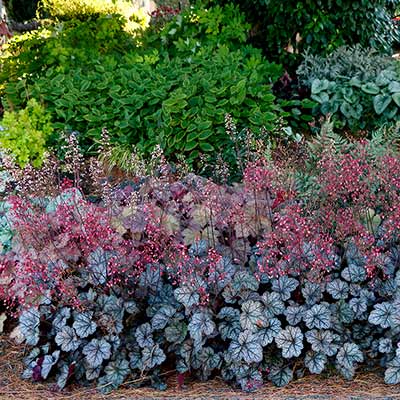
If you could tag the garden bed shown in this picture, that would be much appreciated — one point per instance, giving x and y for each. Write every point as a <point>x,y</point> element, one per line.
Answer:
<point>364,386</point>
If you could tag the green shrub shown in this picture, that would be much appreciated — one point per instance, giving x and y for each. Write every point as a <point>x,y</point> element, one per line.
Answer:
<point>24,133</point>
<point>178,103</point>
<point>64,46</point>
<point>320,25</point>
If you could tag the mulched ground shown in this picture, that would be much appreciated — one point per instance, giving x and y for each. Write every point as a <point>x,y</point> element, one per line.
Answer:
<point>366,386</point>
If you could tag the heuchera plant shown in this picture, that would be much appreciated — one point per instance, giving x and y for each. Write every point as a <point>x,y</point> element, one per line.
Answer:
<point>259,281</point>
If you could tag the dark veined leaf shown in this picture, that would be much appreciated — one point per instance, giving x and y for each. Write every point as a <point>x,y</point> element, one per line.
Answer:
<point>48,362</point>
<point>338,289</point>
<point>83,324</point>
<point>382,315</point>
<point>252,316</point>
<point>267,335</point>
<point>201,325</point>
<point>92,373</point>
<point>144,335</point>
<point>273,304</point>
<point>319,316</point>
<point>163,316</point>
<point>176,332</point>
<point>207,359</point>
<point>344,312</point>
<point>294,314</point>
<point>97,265</point>
<point>66,338</point>
<point>358,305</point>
<point>96,351</point>
<point>354,273</point>
<point>280,376</point>
<point>322,341</point>
<point>199,248</point>
<point>115,374</point>
<point>131,307</point>
<point>312,293</point>
<point>385,345</point>
<point>315,362</point>
<point>284,286</point>
<point>246,347</point>
<point>60,320</point>
<point>64,375</point>
<point>244,280</point>
<point>152,356</point>
<point>187,295</point>
<point>29,325</point>
<point>348,355</point>
<point>392,373</point>
<point>251,381</point>
<point>229,328</point>
<point>135,359</point>
<point>290,341</point>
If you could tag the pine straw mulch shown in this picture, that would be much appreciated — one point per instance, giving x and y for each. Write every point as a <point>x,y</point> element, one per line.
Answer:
<point>365,386</point>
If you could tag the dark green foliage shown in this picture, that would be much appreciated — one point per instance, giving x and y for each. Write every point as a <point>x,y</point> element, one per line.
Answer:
<point>21,10</point>
<point>319,25</point>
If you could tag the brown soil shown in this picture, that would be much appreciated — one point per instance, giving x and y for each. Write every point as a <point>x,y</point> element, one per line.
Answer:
<point>365,386</point>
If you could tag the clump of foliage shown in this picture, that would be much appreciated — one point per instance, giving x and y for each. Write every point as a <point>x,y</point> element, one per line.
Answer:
<point>359,87</point>
<point>265,280</point>
<point>24,133</point>
<point>286,29</point>
<point>146,100</point>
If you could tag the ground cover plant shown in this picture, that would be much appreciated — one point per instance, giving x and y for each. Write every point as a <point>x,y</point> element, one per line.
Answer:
<point>293,271</point>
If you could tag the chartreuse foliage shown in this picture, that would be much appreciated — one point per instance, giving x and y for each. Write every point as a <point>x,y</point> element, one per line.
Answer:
<point>24,133</point>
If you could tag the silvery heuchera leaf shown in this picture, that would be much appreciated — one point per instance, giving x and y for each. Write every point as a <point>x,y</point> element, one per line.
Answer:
<point>66,338</point>
<point>382,315</point>
<point>151,277</point>
<point>348,355</point>
<point>32,356</point>
<point>252,316</point>
<point>207,359</point>
<point>68,197</point>
<point>114,340</point>
<point>98,261</point>
<point>338,289</point>
<point>83,324</point>
<point>96,351</point>
<point>284,286</point>
<point>131,307</point>
<point>319,316</point>
<point>391,261</point>
<point>347,372</point>
<point>201,325</point>
<point>392,373</point>
<point>112,305</point>
<point>290,341</point>
<point>176,332</point>
<point>312,293</point>
<point>92,373</point>
<point>135,358</point>
<point>223,272</point>
<point>322,341</point>
<point>48,362</point>
<point>280,376</point>
<point>229,328</point>
<point>163,316</point>
<point>152,356</point>
<point>385,345</point>
<point>60,320</point>
<point>273,304</point>
<point>354,273</point>
<point>294,314</point>
<point>267,335</point>
<point>29,325</point>
<point>63,376</point>
<point>247,348</point>
<point>244,280</point>
<point>358,305</point>
<point>115,374</point>
<point>315,362</point>
<point>344,312</point>
<point>144,335</point>
<point>187,295</point>
<point>199,248</point>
